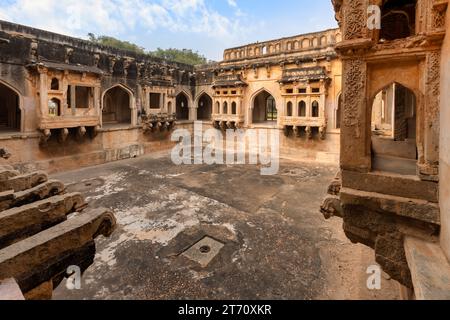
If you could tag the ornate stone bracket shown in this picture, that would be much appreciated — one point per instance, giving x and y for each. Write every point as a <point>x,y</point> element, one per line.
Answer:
<point>158,123</point>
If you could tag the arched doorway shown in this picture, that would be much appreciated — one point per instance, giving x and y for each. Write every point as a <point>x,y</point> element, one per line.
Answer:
<point>10,116</point>
<point>264,108</point>
<point>204,110</point>
<point>116,107</point>
<point>182,107</point>
<point>393,125</point>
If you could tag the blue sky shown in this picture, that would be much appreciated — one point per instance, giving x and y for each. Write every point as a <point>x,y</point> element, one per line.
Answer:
<point>206,26</point>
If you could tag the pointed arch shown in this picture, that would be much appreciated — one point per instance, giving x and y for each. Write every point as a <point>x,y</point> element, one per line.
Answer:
<point>182,106</point>
<point>263,107</point>
<point>393,127</point>
<point>11,108</point>
<point>118,106</point>
<point>204,105</point>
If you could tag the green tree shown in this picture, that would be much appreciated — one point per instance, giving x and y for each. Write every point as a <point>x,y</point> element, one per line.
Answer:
<point>186,56</point>
<point>115,43</point>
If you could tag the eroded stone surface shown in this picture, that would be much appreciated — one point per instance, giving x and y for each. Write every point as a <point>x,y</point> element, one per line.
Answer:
<point>276,246</point>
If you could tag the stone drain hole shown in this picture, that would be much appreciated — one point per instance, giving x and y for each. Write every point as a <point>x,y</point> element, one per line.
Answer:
<point>204,251</point>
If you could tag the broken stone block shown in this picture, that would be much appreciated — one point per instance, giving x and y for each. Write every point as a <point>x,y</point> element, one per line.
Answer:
<point>47,255</point>
<point>39,192</point>
<point>23,182</point>
<point>25,221</point>
<point>37,241</point>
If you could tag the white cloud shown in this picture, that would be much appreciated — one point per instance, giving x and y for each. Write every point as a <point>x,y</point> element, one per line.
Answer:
<point>124,17</point>
<point>232,3</point>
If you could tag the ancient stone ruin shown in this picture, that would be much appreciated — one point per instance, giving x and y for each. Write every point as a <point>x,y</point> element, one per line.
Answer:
<point>373,100</point>
<point>44,231</point>
<point>392,191</point>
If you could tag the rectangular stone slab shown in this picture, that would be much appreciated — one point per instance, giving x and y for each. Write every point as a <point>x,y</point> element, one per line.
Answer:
<point>23,182</point>
<point>39,192</point>
<point>25,221</point>
<point>430,270</point>
<point>411,208</point>
<point>24,259</point>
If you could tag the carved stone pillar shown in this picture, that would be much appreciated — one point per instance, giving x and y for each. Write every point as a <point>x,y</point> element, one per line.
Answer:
<point>355,136</point>
<point>432,122</point>
<point>43,92</point>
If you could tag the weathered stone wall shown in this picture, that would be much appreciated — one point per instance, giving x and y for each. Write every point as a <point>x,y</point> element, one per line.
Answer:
<point>30,59</point>
<point>381,208</point>
<point>109,145</point>
<point>444,193</point>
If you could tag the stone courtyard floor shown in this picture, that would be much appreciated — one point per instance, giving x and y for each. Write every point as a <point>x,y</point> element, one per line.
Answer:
<point>264,234</point>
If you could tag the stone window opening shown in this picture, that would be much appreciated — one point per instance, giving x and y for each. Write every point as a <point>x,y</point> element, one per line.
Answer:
<point>169,107</point>
<point>204,110</point>
<point>315,90</point>
<point>55,84</point>
<point>289,110</point>
<point>10,113</point>
<point>264,50</point>
<point>234,108</point>
<point>116,107</point>
<point>315,113</point>
<point>83,97</point>
<point>182,106</point>
<point>302,90</point>
<point>393,127</point>
<point>155,100</point>
<point>289,91</point>
<point>54,107</point>
<point>398,19</point>
<point>302,109</point>
<point>217,107</point>
<point>225,107</point>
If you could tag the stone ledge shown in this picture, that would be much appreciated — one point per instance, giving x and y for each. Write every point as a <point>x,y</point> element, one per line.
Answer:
<point>430,270</point>
<point>391,184</point>
<point>405,207</point>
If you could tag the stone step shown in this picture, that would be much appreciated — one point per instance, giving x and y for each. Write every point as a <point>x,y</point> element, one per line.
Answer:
<point>405,207</point>
<point>395,165</point>
<point>46,255</point>
<point>11,199</point>
<point>18,223</point>
<point>23,182</point>
<point>392,184</point>
<point>430,269</point>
